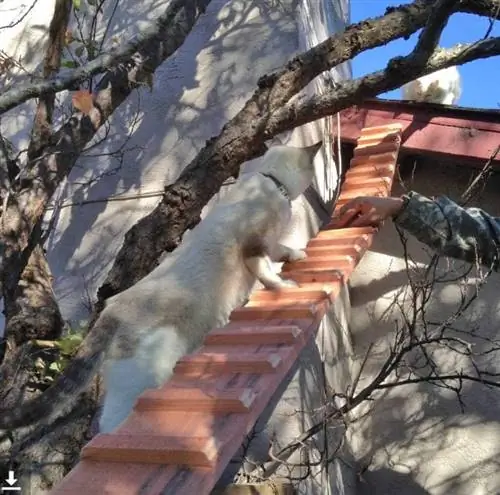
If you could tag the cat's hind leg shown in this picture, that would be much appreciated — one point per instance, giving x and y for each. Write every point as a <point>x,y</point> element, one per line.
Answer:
<point>150,366</point>
<point>125,380</point>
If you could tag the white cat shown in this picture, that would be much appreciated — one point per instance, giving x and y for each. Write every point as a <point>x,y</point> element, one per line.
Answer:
<point>143,331</point>
<point>443,86</point>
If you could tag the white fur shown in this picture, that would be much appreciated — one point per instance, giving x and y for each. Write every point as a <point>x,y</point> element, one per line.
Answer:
<point>167,314</point>
<point>442,86</point>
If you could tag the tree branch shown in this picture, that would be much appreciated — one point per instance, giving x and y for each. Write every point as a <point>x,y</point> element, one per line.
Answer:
<point>399,71</point>
<point>241,139</point>
<point>480,180</point>
<point>429,37</point>
<point>109,61</point>
<point>36,186</point>
<point>286,451</point>
<point>31,308</point>
<point>42,126</point>
<point>23,92</point>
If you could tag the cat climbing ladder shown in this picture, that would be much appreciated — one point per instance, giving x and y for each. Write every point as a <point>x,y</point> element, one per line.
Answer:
<point>180,438</point>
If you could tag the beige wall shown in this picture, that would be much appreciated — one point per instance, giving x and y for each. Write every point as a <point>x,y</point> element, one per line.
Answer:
<point>415,440</point>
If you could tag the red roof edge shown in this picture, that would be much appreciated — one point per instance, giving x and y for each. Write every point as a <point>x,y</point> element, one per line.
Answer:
<point>469,135</point>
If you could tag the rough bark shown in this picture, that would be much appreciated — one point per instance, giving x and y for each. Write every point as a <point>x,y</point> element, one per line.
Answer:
<point>399,71</point>
<point>41,132</point>
<point>33,311</point>
<point>45,454</point>
<point>29,305</point>
<point>30,308</point>
<point>23,92</point>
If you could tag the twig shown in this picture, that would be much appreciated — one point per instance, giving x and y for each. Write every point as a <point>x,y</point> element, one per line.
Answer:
<point>480,179</point>
<point>491,21</point>
<point>15,96</point>
<point>126,56</point>
<point>27,207</point>
<point>440,378</point>
<point>21,19</point>
<point>360,371</point>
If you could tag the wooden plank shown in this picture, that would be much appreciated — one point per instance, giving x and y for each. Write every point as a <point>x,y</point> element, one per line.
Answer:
<point>254,335</point>
<point>269,488</point>
<point>153,449</point>
<point>196,399</point>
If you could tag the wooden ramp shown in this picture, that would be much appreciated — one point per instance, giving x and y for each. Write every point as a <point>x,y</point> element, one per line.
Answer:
<point>180,438</point>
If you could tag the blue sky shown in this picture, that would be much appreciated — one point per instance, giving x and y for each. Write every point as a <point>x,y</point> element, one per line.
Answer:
<point>480,79</point>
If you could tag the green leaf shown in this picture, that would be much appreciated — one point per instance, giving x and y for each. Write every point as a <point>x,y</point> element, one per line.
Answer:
<point>70,343</point>
<point>70,64</point>
<point>76,4</point>
<point>55,366</point>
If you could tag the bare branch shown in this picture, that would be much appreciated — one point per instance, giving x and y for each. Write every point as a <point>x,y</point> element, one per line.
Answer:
<point>429,37</point>
<point>480,180</point>
<point>412,337</point>
<point>42,126</point>
<point>21,18</point>
<point>133,53</point>
<point>26,208</point>
<point>243,137</point>
<point>417,13</point>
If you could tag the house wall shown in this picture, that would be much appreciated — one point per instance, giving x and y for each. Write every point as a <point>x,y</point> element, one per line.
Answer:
<point>416,441</point>
<point>194,93</point>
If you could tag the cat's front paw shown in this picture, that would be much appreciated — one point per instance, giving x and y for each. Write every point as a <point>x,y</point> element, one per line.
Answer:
<point>284,284</point>
<point>297,255</point>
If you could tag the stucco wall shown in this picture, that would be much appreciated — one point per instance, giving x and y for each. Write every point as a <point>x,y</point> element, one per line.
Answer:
<point>416,441</point>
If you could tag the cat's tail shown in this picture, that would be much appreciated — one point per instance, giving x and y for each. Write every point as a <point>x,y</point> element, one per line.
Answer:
<point>74,380</point>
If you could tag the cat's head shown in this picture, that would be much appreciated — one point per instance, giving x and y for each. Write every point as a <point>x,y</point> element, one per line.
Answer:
<point>434,93</point>
<point>292,166</point>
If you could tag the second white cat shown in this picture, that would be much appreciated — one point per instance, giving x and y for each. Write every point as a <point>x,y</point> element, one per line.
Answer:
<point>443,86</point>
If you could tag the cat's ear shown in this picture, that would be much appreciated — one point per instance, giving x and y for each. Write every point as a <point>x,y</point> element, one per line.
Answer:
<point>313,149</point>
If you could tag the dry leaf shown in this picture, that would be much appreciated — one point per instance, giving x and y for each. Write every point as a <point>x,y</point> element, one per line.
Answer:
<point>68,37</point>
<point>83,101</point>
